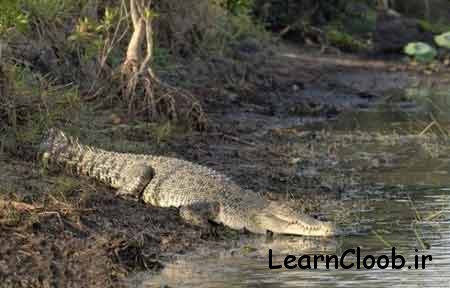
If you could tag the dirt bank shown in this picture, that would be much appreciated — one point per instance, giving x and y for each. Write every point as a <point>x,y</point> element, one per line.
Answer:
<point>58,231</point>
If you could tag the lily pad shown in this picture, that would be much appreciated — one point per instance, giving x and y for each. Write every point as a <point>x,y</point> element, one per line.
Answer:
<point>422,52</point>
<point>443,40</point>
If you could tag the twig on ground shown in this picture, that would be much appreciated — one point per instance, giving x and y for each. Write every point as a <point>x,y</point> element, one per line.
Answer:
<point>20,206</point>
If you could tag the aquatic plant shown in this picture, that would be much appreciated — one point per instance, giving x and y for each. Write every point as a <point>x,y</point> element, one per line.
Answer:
<point>443,40</point>
<point>421,52</point>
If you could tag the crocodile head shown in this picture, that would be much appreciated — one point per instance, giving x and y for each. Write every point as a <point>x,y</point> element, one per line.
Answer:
<point>304,226</point>
<point>282,219</point>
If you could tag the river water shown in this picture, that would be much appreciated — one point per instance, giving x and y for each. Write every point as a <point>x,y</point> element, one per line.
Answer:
<point>406,207</point>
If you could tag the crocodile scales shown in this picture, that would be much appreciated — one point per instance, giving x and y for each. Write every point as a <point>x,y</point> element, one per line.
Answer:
<point>201,193</point>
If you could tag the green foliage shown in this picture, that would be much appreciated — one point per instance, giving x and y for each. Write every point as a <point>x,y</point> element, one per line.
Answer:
<point>161,58</point>
<point>19,14</point>
<point>38,102</point>
<point>48,10</point>
<point>422,52</point>
<point>230,29</point>
<point>359,25</point>
<point>109,19</point>
<point>435,28</point>
<point>88,37</point>
<point>150,14</point>
<point>11,17</point>
<point>343,40</point>
<point>443,40</point>
<point>236,7</point>
<point>162,131</point>
<point>243,26</point>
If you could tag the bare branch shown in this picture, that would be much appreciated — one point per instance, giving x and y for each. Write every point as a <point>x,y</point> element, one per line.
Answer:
<point>149,37</point>
<point>134,13</point>
<point>21,206</point>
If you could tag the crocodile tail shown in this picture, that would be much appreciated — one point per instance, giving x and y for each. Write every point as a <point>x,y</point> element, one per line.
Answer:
<point>58,149</point>
<point>126,172</point>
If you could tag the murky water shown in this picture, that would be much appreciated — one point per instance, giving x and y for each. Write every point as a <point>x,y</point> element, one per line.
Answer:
<point>418,220</point>
<point>409,211</point>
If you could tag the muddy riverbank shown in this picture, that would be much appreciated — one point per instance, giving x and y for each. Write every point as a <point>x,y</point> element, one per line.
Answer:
<point>274,133</point>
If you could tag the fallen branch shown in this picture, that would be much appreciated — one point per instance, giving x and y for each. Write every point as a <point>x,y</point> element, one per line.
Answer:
<point>20,206</point>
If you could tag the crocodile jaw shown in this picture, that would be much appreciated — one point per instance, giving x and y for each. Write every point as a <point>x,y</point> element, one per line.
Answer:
<point>304,225</point>
<point>317,229</point>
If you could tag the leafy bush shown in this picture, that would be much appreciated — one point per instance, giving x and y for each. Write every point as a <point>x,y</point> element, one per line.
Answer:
<point>18,14</point>
<point>196,26</point>
<point>48,10</point>
<point>229,30</point>
<point>90,35</point>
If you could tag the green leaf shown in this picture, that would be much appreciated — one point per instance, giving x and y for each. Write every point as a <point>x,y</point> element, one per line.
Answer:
<point>100,28</point>
<point>443,40</point>
<point>74,37</point>
<point>427,58</point>
<point>422,52</point>
<point>149,14</point>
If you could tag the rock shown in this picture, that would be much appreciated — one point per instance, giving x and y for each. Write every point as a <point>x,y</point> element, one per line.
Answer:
<point>393,32</point>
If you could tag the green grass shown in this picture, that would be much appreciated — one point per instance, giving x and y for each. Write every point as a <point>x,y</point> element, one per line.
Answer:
<point>343,40</point>
<point>12,17</point>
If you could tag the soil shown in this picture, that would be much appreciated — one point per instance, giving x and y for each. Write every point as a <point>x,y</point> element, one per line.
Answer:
<point>59,231</point>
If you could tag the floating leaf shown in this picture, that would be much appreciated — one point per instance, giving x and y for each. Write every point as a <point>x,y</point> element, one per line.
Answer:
<point>443,40</point>
<point>422,52</point>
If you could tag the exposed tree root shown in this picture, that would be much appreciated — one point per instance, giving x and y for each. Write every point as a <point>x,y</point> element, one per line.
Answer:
<point>142,88</point>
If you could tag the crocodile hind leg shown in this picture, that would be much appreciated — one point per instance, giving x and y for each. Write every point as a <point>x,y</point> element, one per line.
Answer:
<point>132,180</point>
<point>200,214</point>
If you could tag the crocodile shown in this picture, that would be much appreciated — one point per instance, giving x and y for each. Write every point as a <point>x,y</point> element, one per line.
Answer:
<point>202,194</point>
